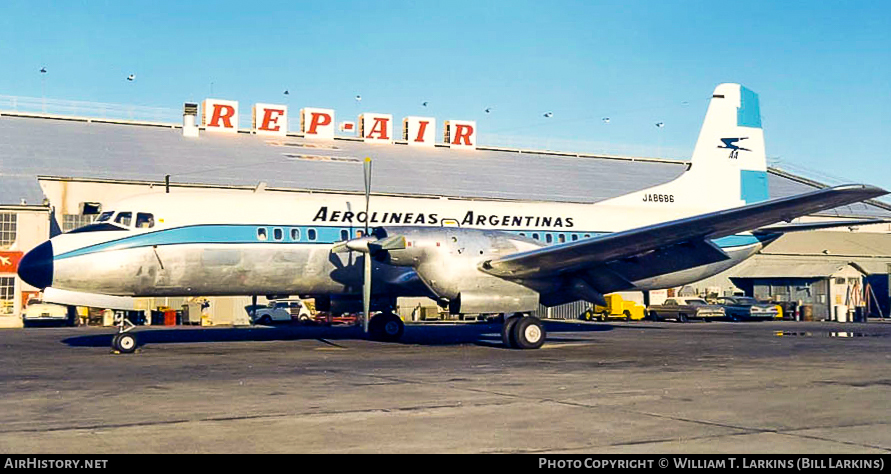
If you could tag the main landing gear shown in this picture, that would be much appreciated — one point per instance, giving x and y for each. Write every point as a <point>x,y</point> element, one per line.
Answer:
<point>386,327</point>
<point>523,332</point>
<point>124,341</point>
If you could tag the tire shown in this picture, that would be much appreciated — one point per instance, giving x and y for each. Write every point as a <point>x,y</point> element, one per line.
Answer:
<point>682,318</point>
<point>125,343</point>
<point>265,320</point>
<point>507,329</point>
<point>386,327</point>
<point>654,316</point>
<point>627,315</point>
<point>529,333</point>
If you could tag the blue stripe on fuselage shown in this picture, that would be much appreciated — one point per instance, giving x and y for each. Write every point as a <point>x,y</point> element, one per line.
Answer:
<point>248,234</point>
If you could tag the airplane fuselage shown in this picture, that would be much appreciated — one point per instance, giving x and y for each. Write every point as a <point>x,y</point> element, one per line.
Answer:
<point>244,243</point>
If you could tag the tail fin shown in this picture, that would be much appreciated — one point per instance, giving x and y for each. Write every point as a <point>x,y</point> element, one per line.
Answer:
<point>728,167</point>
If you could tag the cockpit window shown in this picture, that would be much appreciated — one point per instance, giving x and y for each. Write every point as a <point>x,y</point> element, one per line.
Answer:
<point>105,216</point>
<point>145,220</point>
<point>124,218</point>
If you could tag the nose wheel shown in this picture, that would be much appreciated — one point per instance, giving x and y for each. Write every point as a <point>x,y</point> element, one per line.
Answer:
<point>125,341</point>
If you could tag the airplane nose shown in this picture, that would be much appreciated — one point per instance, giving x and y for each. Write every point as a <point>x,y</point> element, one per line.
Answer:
<point>36,267</point>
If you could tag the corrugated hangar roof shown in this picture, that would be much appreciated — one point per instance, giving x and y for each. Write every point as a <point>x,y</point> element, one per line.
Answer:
<point>32,146</point>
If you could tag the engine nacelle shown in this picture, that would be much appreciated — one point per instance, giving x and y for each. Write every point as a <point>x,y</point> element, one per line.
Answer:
<point>447,260</point>
<point>470,302</point>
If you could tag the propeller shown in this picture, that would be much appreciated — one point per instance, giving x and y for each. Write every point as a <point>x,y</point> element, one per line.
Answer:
<point>370,245</point>
<point>366,277</point>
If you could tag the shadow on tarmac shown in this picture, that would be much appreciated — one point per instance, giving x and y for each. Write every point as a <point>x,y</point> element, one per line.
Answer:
<point>483,334</point>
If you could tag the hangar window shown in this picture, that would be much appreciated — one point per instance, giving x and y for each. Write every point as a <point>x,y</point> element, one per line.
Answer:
<point>295,234</point>
<point>105,216</point>
<point>7,228</point>
<point>344,234</point>
<point>311,234</point>
<point>278,234</point>
<point>261,233</point>
<point>75,221</point>
<point>549,238</point>
<point>124,218</point>
<point>7,295</point>
<point>144,220</point>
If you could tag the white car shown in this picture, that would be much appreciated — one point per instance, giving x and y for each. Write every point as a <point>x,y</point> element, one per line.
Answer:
<point>38,311</point>
<point>280,311</point>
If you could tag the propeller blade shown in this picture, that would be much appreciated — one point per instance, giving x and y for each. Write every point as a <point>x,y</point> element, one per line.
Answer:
<point>367,172</point>
<point>366,290</point>
<point>366,281</point>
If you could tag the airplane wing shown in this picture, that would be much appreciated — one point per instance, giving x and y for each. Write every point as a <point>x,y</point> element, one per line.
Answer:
<point>661,248</point>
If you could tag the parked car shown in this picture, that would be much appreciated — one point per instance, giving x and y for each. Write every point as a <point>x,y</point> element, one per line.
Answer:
<point>685,309</point>
<point>740,308</point>
<point>349,319</point>
<point>39,312</point>
<point>279,311</point>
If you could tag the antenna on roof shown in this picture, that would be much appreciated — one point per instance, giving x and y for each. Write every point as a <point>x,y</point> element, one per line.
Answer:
<point>167,184</point>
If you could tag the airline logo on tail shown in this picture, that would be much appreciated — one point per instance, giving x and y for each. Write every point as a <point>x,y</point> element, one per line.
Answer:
<point>730,144</point>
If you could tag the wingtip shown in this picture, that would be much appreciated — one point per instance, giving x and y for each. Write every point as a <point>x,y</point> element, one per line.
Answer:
<point>862,188</point>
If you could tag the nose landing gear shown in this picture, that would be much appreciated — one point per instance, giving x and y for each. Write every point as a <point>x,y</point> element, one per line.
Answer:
<point>125,341</point>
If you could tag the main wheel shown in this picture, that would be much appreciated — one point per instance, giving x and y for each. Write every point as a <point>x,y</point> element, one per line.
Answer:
<point>507,333</point>
<point>125,343</point>
<point>386,327</point>
<point>529,333</point>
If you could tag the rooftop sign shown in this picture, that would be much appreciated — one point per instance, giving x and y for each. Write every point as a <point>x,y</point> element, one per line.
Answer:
<point>218,115</point>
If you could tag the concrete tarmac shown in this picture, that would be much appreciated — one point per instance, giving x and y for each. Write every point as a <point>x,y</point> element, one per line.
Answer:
<point>768,387</point>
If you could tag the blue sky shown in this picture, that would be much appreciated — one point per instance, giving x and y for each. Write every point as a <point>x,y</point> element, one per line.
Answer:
<point>822,69</point>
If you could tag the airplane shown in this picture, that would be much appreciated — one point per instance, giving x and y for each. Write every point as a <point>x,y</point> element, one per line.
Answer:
<point>470,255</point>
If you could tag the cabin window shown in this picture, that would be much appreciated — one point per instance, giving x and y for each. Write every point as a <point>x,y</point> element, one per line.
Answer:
<point>523,234</point>
<point>105,216</point>
<point>124,218</point>
<point>311,235</point>
<point>360,233</point>
<point>535,236</point>
<point>261,233</point>
<point>144,220</point>
<point>549,238</point>
<point>295,235</point>
<point>278,234</point>
<point>344,234</point>
<point>575,237</point>
<point>587,236</point>
<point>561,238</point>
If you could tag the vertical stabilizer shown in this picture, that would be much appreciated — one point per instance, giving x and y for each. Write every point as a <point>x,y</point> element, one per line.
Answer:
<point>728,167</point>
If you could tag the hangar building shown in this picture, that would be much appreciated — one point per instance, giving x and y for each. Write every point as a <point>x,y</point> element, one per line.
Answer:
<point>57,170</point>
